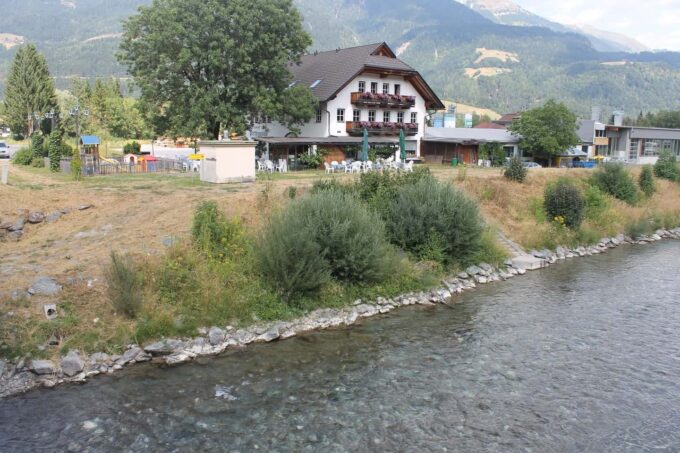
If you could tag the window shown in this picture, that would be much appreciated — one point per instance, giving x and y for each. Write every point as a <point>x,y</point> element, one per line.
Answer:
<point>651,148</point>
<point>386,88</point>
<point>356,115</point>
<point>386,117</point>
<point>633,150</point>
<point>374,87</point>
<point>315,84</point>
<point>414,117</point>
<point>397,88</point>
<point>400,117</point>
<point>340,117</point>
<point>600,133</point>
<point>371,115</point>
<point>318,115</point>
<point>362,86</point>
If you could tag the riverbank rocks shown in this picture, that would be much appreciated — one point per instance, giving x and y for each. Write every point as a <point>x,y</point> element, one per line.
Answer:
<point>44,286</point>
<point>42,367</point>
<point>163,347</point>
<point>76,368</point>
<point>36,217</point>
<point>72,364</point>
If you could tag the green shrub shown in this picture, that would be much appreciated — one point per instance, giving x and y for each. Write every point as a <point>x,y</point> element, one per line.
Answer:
<point>23,157</point>
<point>76,166</point>
<point>516,171</point>
<point>563,200</point>
<point>646,181</point>
<point>38,162</point>
<point>614,179</point>
<point>132,148</point>
<point>292,192</point>
<point>328,234</point>
<point>596,202</point>
<point>379,189</point>
<point>666,166</point>
<point>322,185</point>
<point>638,228</point>
<point>213,234</point>
<point>124,282</point>
<point>430,212</point>
<point>54,149</point>
<point>38,145</point>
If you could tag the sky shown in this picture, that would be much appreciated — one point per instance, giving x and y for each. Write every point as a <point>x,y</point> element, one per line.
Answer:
<point>655,23</point>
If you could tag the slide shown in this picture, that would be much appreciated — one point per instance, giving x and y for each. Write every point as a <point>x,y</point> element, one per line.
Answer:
<point>109,161</point>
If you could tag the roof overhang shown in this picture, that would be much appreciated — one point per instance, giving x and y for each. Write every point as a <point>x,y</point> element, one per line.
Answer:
<point>339,141</point>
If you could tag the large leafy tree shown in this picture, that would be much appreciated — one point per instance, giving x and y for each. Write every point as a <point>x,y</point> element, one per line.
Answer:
<point>546,131</point>
<point>29,90</point>
<point>203,65</point>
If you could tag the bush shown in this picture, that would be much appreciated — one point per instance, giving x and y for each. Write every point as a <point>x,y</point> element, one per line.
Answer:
<point>76,166</point>
<point>38,145</point>
<point>54,149</point>
<point>213,234</point>
<point>132,148</point>
<point>596,202</point>
<point>515,171</point>
<point>38,162</point>
<point>666,166</point>
<point>612,178</point>
<point>329,234</point>
<point>647,181</point>
<point>124,282</point>
<point>379,189</point>
<point>638,228</point>
<point>433,219</point>
<point>563,200</point>
<point>23,157</point>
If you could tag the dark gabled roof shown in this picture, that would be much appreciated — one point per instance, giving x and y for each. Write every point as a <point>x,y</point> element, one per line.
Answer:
<point>336,68</point>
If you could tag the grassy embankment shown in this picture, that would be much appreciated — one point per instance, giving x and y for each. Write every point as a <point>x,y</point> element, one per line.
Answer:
<point>181,290</point>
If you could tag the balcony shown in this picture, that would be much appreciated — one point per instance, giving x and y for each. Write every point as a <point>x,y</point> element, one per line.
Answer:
<point>391,101</point>
<point>356,128</point>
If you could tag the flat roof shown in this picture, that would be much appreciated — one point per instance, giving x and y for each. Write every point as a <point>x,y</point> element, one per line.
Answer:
<point>468,135</point>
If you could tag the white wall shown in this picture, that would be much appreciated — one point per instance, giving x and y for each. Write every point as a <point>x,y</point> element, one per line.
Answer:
<point>344,100</point>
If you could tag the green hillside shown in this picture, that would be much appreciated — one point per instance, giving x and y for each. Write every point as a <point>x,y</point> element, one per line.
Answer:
<point>439,37</point>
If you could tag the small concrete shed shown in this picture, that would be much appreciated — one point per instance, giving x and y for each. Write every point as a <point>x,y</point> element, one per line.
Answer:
<point>228,161</point>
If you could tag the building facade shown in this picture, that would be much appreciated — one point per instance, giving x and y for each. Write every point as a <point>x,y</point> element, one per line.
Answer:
<point>360,88</point>
<point>641,145</point>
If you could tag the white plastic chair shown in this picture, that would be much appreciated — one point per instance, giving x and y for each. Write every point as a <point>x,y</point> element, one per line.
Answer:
<point>269,166</point>
<point>368,166</point>
<point>345,166</point>
<point>260,166</point>
<point>328,168</point>
<point>408,166</point>
<point>282,167</point>
<point>355,167</point>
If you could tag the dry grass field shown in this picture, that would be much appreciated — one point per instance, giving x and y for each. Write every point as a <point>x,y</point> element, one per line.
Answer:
<point>141,214</point>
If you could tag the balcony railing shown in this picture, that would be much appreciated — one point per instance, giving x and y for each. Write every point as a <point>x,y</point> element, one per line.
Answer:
<point>379,128</point>
<point>394,101</point>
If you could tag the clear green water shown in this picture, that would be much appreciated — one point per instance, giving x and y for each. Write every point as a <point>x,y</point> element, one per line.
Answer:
<point>584,356</point>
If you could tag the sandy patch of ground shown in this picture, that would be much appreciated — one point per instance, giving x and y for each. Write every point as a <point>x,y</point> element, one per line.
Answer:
<point>9,40</point>
<point>484,54</point>
<point>475,73</point>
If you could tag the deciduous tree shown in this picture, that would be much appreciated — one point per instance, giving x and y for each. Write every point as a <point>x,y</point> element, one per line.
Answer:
<point>546,131</point>
<point>203,65</point>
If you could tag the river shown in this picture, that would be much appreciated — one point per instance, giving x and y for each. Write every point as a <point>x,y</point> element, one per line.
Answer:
<point>583,356</point>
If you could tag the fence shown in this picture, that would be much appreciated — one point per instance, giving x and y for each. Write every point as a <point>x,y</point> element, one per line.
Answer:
<point>100,167</point>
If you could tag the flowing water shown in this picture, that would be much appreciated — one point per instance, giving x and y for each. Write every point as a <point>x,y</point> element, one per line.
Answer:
<point>584,356</point>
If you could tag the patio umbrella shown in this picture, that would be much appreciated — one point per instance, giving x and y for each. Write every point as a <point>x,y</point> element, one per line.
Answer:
<point>402,145</point>
<point>363,156</point>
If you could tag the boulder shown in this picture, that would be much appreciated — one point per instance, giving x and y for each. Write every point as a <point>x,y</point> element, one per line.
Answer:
<point>3,367</point>
<point>99,357</point>
<point>486,267</point>
<point>53,216</point>
<point>473,270</point>
<point>215,336</point>
<point>44,286</point>
<point>36,217</point>
<point>18,225</point>
<point>42,367</point>
<point>163,347</point>
<point>84,207</point>
<point>72,364</point>
<point>131,354</point>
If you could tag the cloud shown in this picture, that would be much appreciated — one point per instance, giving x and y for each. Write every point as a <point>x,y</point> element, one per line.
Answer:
<point>653,22</point>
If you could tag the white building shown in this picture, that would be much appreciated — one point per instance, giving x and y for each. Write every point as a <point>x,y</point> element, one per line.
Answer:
<point>365,87</point>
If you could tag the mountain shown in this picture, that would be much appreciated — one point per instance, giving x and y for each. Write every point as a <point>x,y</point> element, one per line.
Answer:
<point>465,54</point>
<point>508,13</point>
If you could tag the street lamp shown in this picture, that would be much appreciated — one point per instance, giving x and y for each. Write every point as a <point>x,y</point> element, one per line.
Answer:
<point>77,112</point>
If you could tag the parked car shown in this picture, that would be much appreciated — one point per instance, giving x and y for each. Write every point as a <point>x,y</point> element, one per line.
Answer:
<point>4,151</point>
<point>531,165</point>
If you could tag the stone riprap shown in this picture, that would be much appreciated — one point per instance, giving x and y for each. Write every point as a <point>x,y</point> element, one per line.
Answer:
<point>14,229</point>
<point>74,367</point>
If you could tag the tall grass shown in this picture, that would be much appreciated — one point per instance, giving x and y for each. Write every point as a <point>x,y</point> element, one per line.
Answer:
<point>125,285</point>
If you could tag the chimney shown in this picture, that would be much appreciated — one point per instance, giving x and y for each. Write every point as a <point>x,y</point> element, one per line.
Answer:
<point>618,118</point>
<point>596,114</point>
